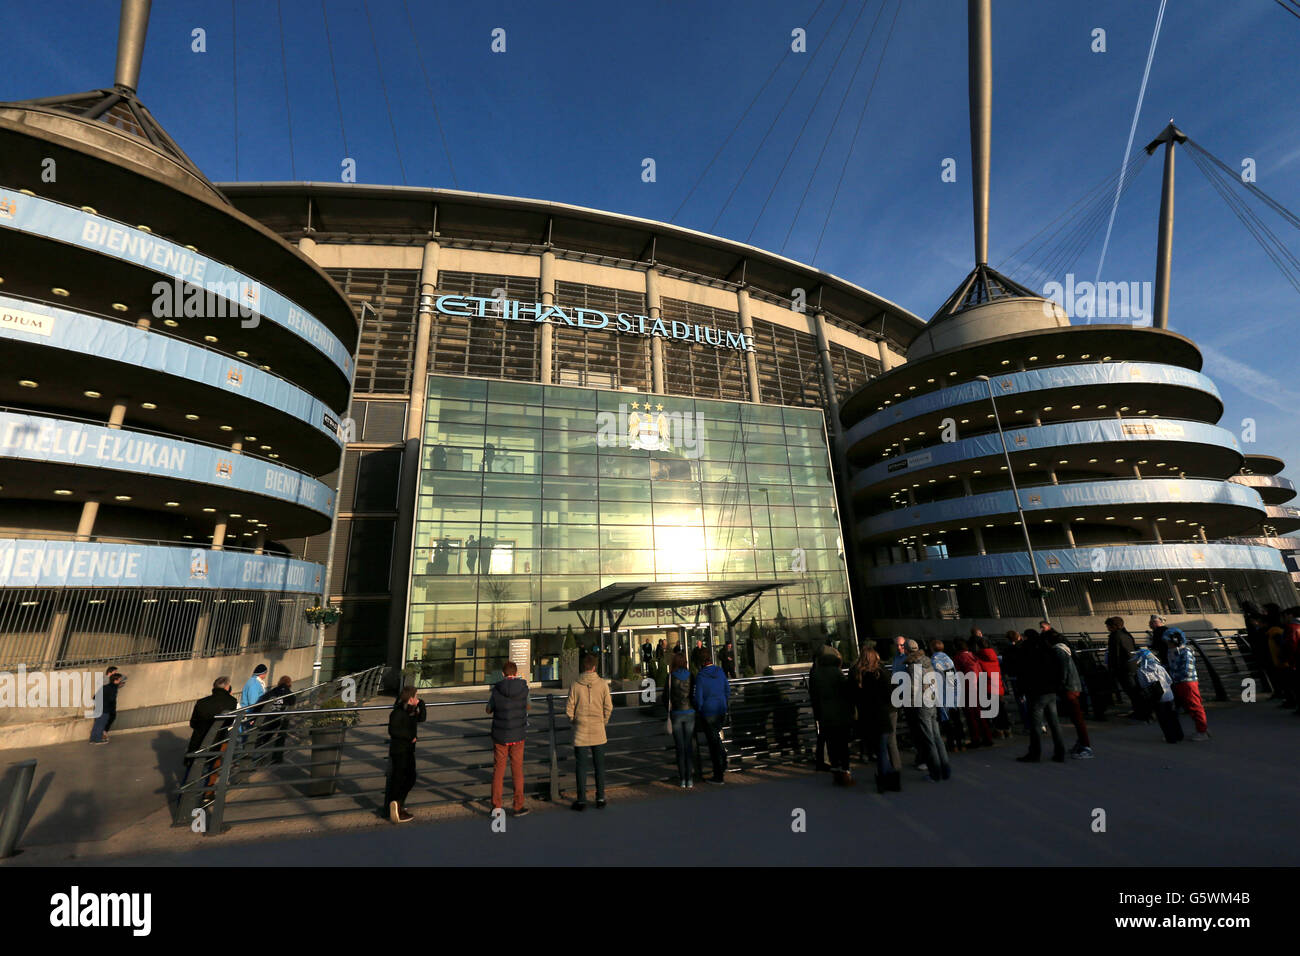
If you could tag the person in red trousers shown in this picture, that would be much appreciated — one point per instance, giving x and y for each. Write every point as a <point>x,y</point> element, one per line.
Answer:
<point>980,733</point>
<point>1187,689</point>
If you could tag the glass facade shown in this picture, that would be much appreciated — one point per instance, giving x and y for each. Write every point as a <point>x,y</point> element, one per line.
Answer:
<point>531,496</point>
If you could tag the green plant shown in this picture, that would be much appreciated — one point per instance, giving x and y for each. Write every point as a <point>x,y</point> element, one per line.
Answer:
<point>570,642</point>
<point>748,671</point>
<point>341,720</point>
<point>661,674</point>
<point>768,672</point>
<point>316,615</point>
<point>625,669</point>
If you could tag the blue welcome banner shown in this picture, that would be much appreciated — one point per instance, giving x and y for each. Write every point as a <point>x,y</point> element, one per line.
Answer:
<point>56,221</point>
<point>1093,561</point>
<point>56,564</point>
<point>20,320</point>
<point>36,438</point>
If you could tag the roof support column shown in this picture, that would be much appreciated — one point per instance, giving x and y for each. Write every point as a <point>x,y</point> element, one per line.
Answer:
<point>86,524</point>
<point>546,351</point>
<point>747,327</point>
<point>219,533</point>
<point>828,374</point>
<point>656,343</point>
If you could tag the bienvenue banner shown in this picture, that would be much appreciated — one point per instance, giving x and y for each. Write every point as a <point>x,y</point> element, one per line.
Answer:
<point>53,220</point>
<point>1034,380</point>
<point>115,341</point>
<point>1093,561</point>
<point>1083,494</point>
<point>35,438</point>
<point>25,563</point>
<point>1052,436</point>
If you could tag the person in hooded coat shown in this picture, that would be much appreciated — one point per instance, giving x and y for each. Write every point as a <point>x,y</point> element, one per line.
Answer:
<point>981,734</point>
<point>711,695</point>
<point>987,655</point>
<point>949,712</point>
<point>508,705</point>
<point>832,708</point>
<point>872,688</point>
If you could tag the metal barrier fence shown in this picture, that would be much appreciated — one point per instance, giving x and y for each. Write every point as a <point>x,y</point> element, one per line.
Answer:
<point>254,776</point>
<point>134,625</point>
<point>244,740</point>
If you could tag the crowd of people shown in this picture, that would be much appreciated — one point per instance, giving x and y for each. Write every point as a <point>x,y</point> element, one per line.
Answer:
<point>974,691</point>
<point>1036,677</point>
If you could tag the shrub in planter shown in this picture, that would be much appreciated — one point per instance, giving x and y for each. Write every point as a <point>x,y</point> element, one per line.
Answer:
<point>327,731</point>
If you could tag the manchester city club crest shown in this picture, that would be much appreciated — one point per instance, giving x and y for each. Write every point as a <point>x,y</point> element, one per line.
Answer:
<point>648,430</point>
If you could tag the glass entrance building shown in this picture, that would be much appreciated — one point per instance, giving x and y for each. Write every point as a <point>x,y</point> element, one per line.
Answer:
<point>531,496</point>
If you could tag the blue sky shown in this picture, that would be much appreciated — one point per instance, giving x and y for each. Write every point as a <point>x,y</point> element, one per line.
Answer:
<point>585,91</point>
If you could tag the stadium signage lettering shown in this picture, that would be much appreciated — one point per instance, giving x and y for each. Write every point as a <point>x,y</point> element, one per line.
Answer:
<point>581,318</point>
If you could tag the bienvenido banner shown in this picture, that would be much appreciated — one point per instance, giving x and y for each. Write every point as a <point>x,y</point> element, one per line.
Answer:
<point>626,323</point>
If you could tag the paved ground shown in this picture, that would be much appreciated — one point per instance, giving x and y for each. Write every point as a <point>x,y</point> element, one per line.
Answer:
<point>1226,802</point>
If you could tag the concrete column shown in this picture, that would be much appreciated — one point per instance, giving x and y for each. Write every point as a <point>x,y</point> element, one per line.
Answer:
<point>423,331</point>
<point>86,524</point>
<point>201,632</point>
<point>747,327</point>
<point>1137,472</point>
<point>656,343</point>
<point>307,246</point>
<point>237,447</point>
<point>412,454</point>
<point>979,539</point>
<point>547,350</point>
<point>886,357</point>
<point>143,322</point>
<point>259,542</point>
<point>219,533</point>
<point>118,413</point>
<point>828,373</point>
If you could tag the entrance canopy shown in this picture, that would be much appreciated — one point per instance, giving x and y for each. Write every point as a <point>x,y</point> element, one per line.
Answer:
<point>614,601</point>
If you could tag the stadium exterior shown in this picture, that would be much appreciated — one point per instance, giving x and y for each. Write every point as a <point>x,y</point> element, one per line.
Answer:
<point>1131,493</point>
<point>552,400</point>
<point>173,379</point>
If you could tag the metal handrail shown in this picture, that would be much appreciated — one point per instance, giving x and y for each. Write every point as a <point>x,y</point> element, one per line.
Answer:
<point>223,765</point>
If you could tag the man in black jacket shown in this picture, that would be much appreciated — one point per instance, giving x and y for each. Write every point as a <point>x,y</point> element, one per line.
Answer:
<point>1040,674</point>
<point>204,715</point>
<point>508,705</point>
<point>113,681</point>
<point>407,712</point>
<point>1122,666</point>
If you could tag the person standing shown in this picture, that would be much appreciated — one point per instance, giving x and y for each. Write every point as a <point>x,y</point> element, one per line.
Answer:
<point>681,718</point>
<point>1186,687</point>
<point>981,734</point>
<point>1012,668</point>
<point>873,694</point>
<point>990,665</point>
<point>113,681</point>
<point>1068,693</point>
<point>254,687</point>
<point>1155,683</point>
<point>712,696</point>
<point>408,712</point>
<point>921,701</point>
<point>833,710</point>
<point>1161,633</point>
<point>508,705</point>
<point>278,698</point>
<point>949,713</point>
<point>728,661</point>
<point>204,715</point>
<point>471,553</point>
<point>1122,667</point>
<point>1039,676</point>
<point>589,708</point>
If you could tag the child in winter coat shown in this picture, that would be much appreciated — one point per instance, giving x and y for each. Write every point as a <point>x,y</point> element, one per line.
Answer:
<point>1186,688</point>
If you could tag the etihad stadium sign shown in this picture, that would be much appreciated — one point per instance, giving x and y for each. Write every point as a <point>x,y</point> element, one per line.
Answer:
<point>626,323</point>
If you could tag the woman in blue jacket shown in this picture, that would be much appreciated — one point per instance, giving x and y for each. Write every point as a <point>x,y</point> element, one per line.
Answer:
<point>711,694</point>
